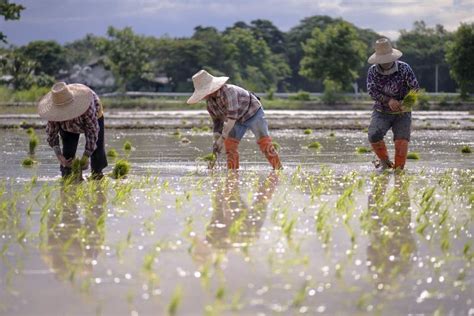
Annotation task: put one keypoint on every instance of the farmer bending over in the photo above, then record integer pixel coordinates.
(233, 110)
(388, 82)
(71, 110)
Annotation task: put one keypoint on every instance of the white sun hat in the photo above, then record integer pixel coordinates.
(205, 84)
(65, 102)
(384, 52)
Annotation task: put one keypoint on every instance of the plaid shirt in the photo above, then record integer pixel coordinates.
(86, 123)
(232, 102)
(382, 87)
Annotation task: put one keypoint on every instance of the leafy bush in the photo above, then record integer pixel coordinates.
(301, 96)
(332, 92)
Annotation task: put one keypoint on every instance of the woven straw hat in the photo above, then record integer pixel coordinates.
(384, 52)
(205, 84)
(65, 102)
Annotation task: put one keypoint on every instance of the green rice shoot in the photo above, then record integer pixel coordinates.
(413, 156)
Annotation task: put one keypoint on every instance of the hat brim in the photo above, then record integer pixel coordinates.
(387, 58)
(82, 99)
(199, 94)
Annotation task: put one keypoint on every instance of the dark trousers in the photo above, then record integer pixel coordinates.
(381, 122)
(98, 158)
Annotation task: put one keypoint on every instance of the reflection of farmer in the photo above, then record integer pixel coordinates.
(391, 242)
(71, 242)
(71, 110)
(233, 222)
(233, 110)
(388, 82)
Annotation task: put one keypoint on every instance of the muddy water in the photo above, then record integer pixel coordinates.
(325, 236)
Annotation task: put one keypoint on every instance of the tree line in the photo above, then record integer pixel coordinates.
(320, 53)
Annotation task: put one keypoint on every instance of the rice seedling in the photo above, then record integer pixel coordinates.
(211, 157)
(308, 131)
(175, 301)
(30, 131)
(332, 134)
(184, 140)
(466, 149)
(410, 101)
(276, 145)
(363, 150)
(121, 169)
(300, 295)
(413, 156)
(33, 143)
(28, 162)
(112, 153)
(315, 145)
(127, 146)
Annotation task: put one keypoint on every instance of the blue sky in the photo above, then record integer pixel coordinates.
(67, 20)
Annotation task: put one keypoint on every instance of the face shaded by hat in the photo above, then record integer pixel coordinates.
(65, 102)
(384, 52)
(205, 84)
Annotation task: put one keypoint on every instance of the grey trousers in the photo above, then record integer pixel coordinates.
(381, 122)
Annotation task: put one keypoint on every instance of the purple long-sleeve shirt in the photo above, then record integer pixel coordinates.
(383, 87)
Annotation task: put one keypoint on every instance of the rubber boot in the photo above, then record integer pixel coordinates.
(231, 150)
(267, 148)
(401, 151)
(380, 150)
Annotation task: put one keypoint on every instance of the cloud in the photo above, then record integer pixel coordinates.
(67, 20)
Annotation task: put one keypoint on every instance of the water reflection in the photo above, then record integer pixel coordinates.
(234, 223)
(391, 242)
(74, 234)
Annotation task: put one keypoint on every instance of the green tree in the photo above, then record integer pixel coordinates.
(9, 11)
(49, 57)
(266, 30)
(424, 49)
(251, 61)
(127, 55)
(214, 59)
(83, 51)
(20, 68)
(336, 54)
(459, 56)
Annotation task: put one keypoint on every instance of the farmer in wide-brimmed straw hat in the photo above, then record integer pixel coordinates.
(388, 82)
(72, 109)
(233, 110)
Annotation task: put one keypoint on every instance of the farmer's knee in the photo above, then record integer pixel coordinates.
(375, 135)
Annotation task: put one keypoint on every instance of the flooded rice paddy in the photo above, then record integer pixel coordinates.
(324, 236)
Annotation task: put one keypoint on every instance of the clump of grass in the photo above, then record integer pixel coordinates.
(184, 140)
(308, 131)
(363, 150)
(28, 162)
(112, 153)
(466, 149)
(30, 131)
(176, 133)
(121, 169)
(34, 141)
(413, 155)
(315, 145)
(127, 146)
(409, 101)
(332, 134)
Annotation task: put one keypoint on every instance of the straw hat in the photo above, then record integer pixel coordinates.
(205, 84)
(65, 102)
(384, 53)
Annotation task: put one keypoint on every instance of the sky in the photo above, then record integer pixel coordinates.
(68, 20)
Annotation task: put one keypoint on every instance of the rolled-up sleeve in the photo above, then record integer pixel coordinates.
(373, 88)
(91, 130)
(52, 132)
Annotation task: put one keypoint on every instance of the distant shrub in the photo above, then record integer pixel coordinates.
(332, 92)
(301, 96)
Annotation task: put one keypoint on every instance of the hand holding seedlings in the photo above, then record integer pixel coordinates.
(64, 162)
(395, 105)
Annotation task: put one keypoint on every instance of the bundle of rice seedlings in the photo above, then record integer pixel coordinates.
(121, 169)
(315, 145)
(308, 131)
(466, 149)
(34, 141)
(27, 162)
(410, 101)
(127, 146)
(112, 153)
(363, 150)
(413, 155)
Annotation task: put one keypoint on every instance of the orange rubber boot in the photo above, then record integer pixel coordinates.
(231, 150)
(401, 151)
(380, 150)
(267, 148)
